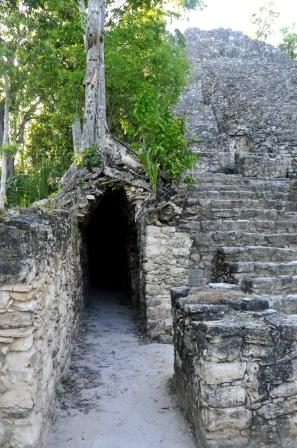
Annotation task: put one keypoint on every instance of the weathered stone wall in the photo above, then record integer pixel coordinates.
(240, 105)
(41, 289)
(235, 371)
(160, 260)
(164, 260)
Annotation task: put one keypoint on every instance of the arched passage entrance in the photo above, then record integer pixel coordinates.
(111, 246)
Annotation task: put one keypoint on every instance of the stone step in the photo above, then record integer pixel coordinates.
(245, 225)
(257, 253)
(286, 304)
(239, 213)
(285, 284)
(242, 194)
(241, 269)
(238, 203)
(199, 212)
(241, 183)
(239, 238)
(248, 213)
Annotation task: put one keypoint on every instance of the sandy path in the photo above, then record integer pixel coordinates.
(117, 393)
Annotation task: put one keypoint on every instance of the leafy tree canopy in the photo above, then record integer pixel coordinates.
(146, 70)
(289, 42)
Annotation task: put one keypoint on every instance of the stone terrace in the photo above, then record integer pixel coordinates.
(240, 110)
(244, 232)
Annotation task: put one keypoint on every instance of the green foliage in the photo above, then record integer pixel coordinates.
(42, 50)
(10, 148)
(130, 6)
(116, 186)
(23, 189)
(49, 140)
(289, 42)
(264, 20)
(56, 57)
(88, 158)
(151, 167)
(146, 70)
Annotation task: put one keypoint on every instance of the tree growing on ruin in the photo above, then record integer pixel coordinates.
(264, 20)
(289, 41)
(49, 81)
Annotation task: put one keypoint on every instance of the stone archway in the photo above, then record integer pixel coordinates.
(110, 237)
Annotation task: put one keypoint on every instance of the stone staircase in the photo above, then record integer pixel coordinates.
(245, 233)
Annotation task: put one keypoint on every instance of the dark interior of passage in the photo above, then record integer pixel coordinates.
(106, 243)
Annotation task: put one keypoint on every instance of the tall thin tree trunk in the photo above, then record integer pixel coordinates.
(10, 166)
(94, 126)
(101, 103)
(83, 15)
(76, 134)
(5, 140)
(1, 121)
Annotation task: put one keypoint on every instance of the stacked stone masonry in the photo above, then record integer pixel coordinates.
(235, 231)
(43, 267)
(242, 222)
(235, 335)
(236, 372)
(164, 265)
(41, 291)
(240, 105)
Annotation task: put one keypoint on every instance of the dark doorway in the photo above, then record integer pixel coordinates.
(107, 242)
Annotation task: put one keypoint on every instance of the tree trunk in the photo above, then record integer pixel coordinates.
(83, 15)
(94, 126)
(5, 140)
(10, 166)
(76, 134)
(2, 107)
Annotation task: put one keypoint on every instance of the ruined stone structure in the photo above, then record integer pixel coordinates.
(41, 289)
(43, 281)
(234, 354)
(235, 229)
(235, 370)
(240, 105)
(241, 219)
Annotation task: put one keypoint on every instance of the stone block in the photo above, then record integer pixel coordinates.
(222, 397)
(18, 400)
(22, 344)
(16, 332)
(20, 361)
(219, 373)
(27, 432)
(3, 433)
(4, 300)
(237, 418)
(27, 306)
(15, 320)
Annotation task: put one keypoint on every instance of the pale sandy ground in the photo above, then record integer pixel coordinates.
(117, 394)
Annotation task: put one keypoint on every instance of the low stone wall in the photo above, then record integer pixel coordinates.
(164, 261)
(236, 372)
(40, 297)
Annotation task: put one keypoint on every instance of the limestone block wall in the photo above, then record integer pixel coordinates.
(240, 105)
(164, 260)
(236, 372)
(40, 298)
